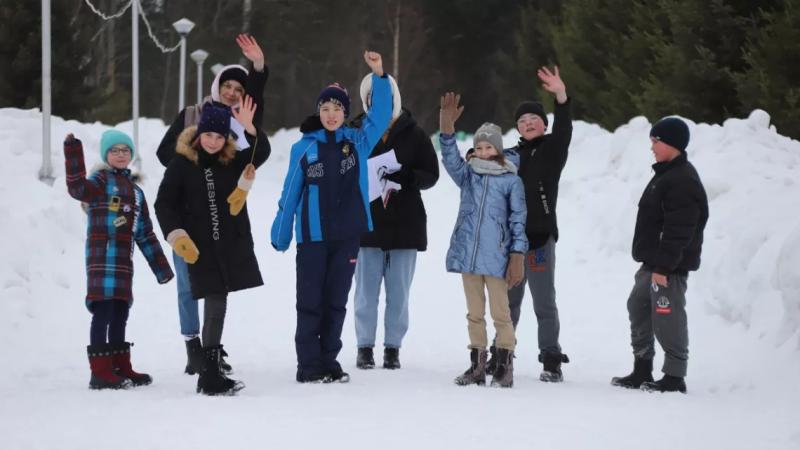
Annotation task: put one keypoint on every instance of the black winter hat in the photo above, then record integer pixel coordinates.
(671, 131)
(233, 73)
(336, 94)
(216, 119)
(530, 107)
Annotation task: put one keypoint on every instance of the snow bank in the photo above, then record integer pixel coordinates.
(749, 273)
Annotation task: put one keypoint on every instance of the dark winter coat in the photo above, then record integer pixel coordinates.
(254, 88)
(192, 197)
(673, 212)
(325, 194)
(402, 224)
(541, 162)
(117, 217)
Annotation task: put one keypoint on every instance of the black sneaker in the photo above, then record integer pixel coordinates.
(365, 359)
(391, 358)
(666, 384)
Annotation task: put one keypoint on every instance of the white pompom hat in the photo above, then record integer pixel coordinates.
(366, 89)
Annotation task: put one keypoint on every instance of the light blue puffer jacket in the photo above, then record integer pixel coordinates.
(491, 216)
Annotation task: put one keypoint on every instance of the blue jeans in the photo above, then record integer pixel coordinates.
(396, 267)
(187, 305)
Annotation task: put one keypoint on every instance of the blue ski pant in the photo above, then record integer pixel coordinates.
(324, 276)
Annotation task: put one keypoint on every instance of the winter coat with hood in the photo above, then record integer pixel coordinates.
(673, 212)
(191, 114)
(491, 215)
(402, 224)
(541, 162)
(326, 187)
(192, 196)
(117, 217)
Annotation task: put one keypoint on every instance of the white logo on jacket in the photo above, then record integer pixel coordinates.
(347, 164)
(212, 203)
(315, 171)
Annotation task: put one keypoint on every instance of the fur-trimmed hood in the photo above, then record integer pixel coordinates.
(185, 149)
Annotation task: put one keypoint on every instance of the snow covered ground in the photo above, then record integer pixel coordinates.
(743, 305)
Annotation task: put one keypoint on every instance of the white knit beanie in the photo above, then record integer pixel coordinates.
(366, 90)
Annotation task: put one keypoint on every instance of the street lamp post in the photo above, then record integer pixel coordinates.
(183, 27)
(135, 80)
(46, 171)
(199, 56)
(216, 68)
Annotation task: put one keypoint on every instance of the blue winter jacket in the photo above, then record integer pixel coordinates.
(326, 187)
(491, 217)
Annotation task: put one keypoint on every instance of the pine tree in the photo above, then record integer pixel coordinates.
(587, 43)
(474, 43)
(692, 71)
(770, 79)
(534, 49)
(21, 56)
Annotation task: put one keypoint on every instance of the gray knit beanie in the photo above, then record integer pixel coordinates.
(490, 133)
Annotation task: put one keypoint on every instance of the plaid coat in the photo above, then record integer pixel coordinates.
(118, 217)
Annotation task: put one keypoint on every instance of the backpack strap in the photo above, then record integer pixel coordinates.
(191, 115)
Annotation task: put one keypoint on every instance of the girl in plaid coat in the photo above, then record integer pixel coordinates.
(118, 217)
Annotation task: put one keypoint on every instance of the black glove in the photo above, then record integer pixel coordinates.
(403, 177)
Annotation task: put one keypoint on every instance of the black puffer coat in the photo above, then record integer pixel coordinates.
(192, 196)
(673, 212)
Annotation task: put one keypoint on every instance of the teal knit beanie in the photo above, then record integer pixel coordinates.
(111, 138)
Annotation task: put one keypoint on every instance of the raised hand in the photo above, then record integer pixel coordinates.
(374, 61)
(449, 112)
(244, 112)
(251, 50)
(551, 82)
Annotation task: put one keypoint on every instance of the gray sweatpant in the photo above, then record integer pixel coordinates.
(660, 312)
(214, 309)
(540, 268)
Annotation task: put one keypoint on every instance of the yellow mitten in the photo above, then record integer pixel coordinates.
(239, 195)
(183, 245)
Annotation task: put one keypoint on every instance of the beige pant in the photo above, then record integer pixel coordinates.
(498, 308)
